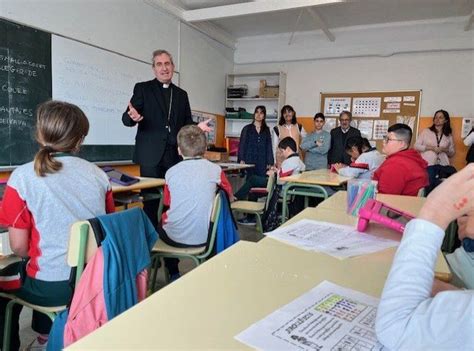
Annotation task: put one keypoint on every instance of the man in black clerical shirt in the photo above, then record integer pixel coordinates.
(160, 109)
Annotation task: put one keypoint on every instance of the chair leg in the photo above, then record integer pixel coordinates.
(8, 325)
(166, 272)
(154, 267)
(306, 201)
(259, 224)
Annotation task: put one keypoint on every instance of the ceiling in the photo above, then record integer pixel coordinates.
(237, 19)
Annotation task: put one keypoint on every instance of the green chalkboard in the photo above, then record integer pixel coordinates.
(25, 79)
(26, 82)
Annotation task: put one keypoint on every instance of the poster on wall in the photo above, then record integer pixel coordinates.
(366, 128)
(331, 123)
(408, 120)
(467, 124)
(333, 106)
(366, 107)
(202, 116)
(380, 129)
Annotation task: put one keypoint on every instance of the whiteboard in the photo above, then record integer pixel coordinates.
(101, 83)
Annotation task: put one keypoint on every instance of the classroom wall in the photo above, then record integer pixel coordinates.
(436, 56)
(204, 64)
(127, 26)
(135, 29)
(446, 78)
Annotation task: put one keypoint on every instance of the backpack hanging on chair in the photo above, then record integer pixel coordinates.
(270, 220)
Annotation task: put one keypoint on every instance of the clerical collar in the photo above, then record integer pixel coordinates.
(166, 85)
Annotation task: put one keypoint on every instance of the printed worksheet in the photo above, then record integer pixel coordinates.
(328, 317)
(340, 241)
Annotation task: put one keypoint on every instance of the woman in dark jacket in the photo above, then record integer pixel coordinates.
(255, 145)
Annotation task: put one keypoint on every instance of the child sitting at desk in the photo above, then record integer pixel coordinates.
(292, 163)
(408, 317)
(365, 159)
(404, 171)
(189, 192)
(42, 200)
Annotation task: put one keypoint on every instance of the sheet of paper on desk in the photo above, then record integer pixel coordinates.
(340, 241)
(328, 317)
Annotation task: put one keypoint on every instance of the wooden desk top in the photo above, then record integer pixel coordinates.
(338, 216)
(144, 183)
(318, 177)
(206, 308)
(233, 166)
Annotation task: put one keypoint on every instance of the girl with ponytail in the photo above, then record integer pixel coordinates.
(42, 200)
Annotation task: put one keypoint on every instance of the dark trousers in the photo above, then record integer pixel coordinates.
(169, 159)
(171, 264)
(435, 175)
(251, 182)
(37, 292)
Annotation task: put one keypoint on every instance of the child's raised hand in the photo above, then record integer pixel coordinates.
(452, 199)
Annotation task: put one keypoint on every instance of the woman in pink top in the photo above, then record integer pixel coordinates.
(436, 146)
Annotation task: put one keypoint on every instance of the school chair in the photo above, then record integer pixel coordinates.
(306, 190)
(80, 251)
(253, 207)
(198, 255)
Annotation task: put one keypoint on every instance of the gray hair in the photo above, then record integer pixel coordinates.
(160, 52)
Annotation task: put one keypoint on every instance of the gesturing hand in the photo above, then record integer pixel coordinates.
(204, 125)
(133, 113)
(451, 199)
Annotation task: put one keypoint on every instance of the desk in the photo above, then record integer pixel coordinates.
(206, 308)
(234, 166)
(338, 216)
(308, 184)
(124, 195)
(410, 204)
(144, 183)
(318, 177)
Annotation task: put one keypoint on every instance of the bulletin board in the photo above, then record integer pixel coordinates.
(374, 112)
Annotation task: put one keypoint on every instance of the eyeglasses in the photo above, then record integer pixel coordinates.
(386, 139)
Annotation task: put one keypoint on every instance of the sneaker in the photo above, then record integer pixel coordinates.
(247, 221)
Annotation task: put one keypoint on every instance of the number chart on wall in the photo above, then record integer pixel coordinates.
(374, 112)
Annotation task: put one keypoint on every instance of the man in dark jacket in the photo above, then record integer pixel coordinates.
(339, 135)
(160, 109)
